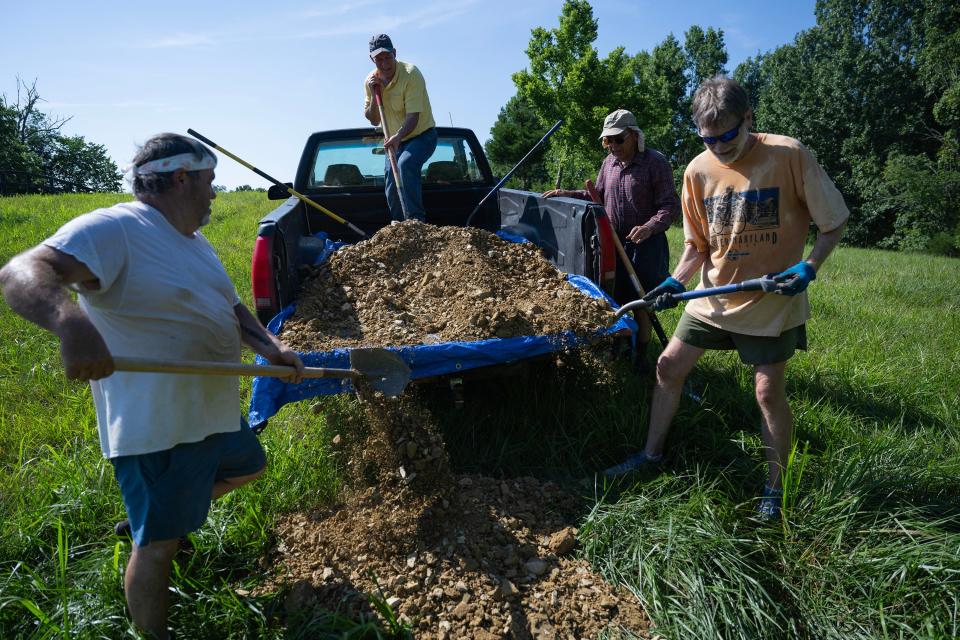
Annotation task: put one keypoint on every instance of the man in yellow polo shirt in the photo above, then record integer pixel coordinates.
(406, 106)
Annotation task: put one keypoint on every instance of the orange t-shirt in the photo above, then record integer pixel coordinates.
(751, 218)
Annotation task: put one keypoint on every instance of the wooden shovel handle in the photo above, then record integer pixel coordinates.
(200, 367)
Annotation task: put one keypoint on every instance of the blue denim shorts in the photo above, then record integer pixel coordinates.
(167, 493)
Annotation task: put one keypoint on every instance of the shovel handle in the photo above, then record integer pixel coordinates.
(393, 158)
(201, 367)
(625, 259)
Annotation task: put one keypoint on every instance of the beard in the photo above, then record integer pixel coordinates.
(205, 220)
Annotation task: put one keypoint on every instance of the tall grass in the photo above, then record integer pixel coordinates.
(868, 546)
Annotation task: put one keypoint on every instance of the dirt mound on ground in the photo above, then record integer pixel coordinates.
(415, 283)
(454, 556)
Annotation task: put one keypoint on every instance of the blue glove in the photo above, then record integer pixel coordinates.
(662, 294)
(795, 279)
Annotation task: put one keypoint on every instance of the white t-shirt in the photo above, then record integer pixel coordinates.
(162, 295)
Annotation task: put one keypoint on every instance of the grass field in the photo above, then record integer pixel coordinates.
(869, 546)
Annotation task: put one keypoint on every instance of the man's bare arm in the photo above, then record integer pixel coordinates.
(34, 285)
(409, 124)
(254, 335)
(824, 245)
(690, 262)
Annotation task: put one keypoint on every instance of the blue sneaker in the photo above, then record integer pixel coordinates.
(771, 502)
(636, 463)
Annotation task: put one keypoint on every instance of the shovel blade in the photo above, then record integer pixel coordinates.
(384, 369)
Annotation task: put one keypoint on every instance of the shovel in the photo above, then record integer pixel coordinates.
(384, 370)
(767, 284)
(625, 259)
(390, 154)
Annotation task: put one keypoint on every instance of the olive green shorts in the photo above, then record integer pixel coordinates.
(752, 349)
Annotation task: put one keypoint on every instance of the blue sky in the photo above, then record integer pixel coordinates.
(258, 77)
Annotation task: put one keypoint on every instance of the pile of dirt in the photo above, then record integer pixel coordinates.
(455, 556)
(414, 283)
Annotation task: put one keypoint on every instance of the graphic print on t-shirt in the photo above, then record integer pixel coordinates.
(739, 219)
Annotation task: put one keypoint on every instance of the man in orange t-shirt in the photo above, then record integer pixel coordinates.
(748, 201)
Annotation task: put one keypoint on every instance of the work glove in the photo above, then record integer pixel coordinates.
(662, 294)
(795, 279)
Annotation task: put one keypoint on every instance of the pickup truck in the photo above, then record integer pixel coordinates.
(343, 171)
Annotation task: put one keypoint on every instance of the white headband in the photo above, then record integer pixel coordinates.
(185, 161)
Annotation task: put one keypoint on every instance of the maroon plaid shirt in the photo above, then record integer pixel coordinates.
(638, 193)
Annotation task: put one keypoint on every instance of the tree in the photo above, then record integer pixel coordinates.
(706, 54)
(861, 88)
(567, 79)
(40, 158)
(515, 132)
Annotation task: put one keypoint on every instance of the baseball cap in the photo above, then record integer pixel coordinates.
(380, 43)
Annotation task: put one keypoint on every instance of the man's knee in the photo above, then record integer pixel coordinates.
(675, 363)
(670, 373)
(239, 481)
(770, 385)
(157, 552)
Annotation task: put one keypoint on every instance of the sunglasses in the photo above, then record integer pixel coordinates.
(727, 136)
(617, 139)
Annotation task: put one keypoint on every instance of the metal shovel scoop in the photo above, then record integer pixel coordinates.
(384, 369)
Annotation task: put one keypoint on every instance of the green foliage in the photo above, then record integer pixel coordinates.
(869, 86)
(34, 156)
(515, 132)
(924, 204)
(568, 79)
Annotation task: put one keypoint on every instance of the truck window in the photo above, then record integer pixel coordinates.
(360, 162)
(452, 162)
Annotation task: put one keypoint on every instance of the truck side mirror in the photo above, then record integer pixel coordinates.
(277, 192)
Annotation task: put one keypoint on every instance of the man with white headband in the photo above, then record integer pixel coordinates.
(151, 286)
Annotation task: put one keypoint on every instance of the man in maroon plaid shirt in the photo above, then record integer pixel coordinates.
(638, 194)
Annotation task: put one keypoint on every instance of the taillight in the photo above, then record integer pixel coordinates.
(264, 287)
(608, 254)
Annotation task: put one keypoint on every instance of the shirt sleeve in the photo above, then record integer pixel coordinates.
(695, 231)
(367, 95)
(601, 184)
(664, 198)
(98, 241)
(414, 99)
(824, 201)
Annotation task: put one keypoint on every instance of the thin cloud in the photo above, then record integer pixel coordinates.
(431, 15)
(424, 17)
(339, 10)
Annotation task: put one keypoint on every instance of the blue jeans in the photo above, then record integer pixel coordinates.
(413, 153)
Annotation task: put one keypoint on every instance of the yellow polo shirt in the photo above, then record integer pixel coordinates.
(751, 218)
(406, 93)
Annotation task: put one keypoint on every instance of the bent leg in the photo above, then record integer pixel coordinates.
(242, 460)
(226, 485)
(776, 419)
(146, 582)
(673, 367)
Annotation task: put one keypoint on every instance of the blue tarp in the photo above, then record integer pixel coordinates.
(269, 394)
